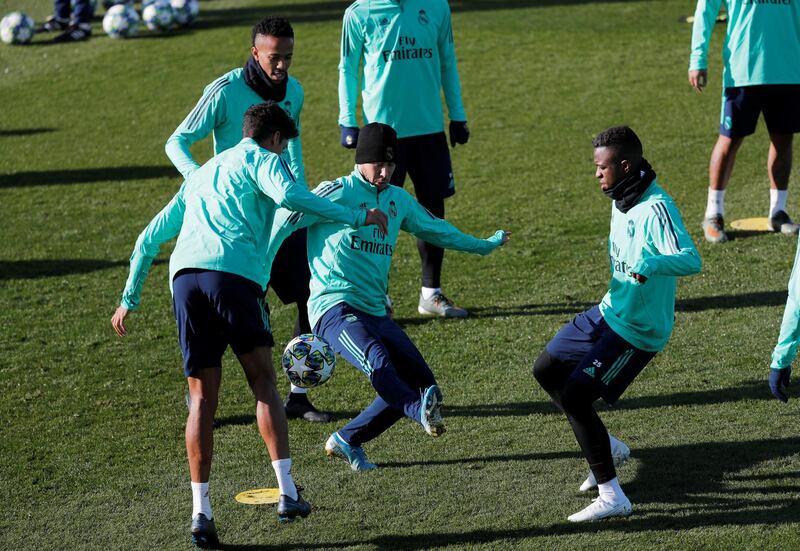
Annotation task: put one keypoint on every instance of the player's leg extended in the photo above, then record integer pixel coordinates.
(781, 107)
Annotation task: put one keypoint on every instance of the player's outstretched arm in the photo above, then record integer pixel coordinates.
(424, 225)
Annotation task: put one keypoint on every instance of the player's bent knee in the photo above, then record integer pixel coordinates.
(543, 366)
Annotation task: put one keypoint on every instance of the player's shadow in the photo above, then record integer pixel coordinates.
(15, 132)
(36, 269)
(85, 175)
(749, 390)
(692, 486)
(513, 310)
(733, 235)
(728, 302)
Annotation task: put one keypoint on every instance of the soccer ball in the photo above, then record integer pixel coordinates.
(16, 28)
(308, 361)
(185, 11)
(121, 21)
(159, 15)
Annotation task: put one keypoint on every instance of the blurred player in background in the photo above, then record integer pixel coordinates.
(600, 352)
(71, 19)
(761, 74)
(408, 58)
(264, 77)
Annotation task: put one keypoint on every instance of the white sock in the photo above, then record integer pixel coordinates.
(297, 390)
(716, 202)
(283, 471)
(200, 501)
(611, 491)
(428, 292)
(777, 201)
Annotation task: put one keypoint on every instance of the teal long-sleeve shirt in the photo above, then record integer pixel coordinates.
(650, 239)
(351, 265)
(762, 41)
(223, 216)
(789, 337)
(408, 58)
(220, 111)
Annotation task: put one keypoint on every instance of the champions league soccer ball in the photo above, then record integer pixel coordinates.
(121, 21)
(185, 11)
(308, 361)
(16, 28)
(159, 15)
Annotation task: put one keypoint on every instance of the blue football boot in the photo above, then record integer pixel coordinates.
(337, 447)
(204, 532)
(289, 509)
(430, 411)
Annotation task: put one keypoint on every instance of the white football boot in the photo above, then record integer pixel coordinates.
(600, 509)
(620, 453)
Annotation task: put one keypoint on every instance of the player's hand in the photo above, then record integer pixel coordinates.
(118, 321)
(639, 278)
(778, 381)
(698, 79)
(349, 136)
(378, 218)
(459, 133)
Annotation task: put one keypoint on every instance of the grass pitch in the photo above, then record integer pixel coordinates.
(91, 444)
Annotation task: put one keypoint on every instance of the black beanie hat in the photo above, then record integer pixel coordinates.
(377, 143)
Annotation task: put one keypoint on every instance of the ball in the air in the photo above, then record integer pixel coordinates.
(308, 361)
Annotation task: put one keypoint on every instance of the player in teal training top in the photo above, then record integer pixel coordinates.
(789, 338)
(219, 271)
(265, 77)
(408, 56)
(601, 351)
(349, 273)
(761, 73)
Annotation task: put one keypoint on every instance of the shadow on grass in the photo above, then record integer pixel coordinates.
(677, 488)
(35, 269)
(86, 175)
(733, 235)
(14, 132)
(728, 302)
(334, 10)
(750, 390)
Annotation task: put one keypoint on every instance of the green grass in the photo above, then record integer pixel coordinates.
(91, 442)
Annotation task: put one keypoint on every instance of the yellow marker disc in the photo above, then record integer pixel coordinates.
(260, 496)
(751, 224)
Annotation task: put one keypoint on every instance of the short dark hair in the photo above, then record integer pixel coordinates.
(621, 138)
(273, 26)
(264, 119)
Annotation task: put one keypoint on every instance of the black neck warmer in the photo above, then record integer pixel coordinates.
(256, 79)
(626, 192)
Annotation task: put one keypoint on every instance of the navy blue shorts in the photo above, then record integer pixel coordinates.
(290, 274)
(741, 106)
(426, 160)
(216, 309)
(602, 358)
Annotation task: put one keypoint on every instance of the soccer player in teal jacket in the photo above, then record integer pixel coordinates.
(601, 351)
(349, 274)
(219, 271)
(761, 73)
(265, 77)
(408, 56)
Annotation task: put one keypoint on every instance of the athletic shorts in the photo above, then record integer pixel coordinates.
(601, 357)
(426, 159)
(290, 275)
(741, 106)
(216, 309)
